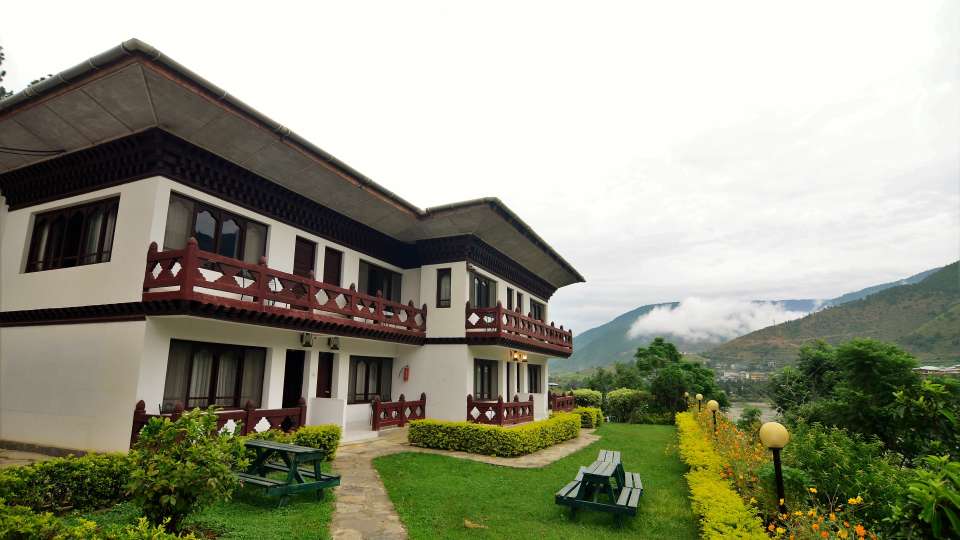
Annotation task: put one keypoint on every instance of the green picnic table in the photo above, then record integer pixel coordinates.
(603, 486)
(300, 463)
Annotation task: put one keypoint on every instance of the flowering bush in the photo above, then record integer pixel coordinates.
(746, 464)
(723, 514)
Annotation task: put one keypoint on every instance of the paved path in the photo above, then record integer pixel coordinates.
(14, 458)
(364, 511)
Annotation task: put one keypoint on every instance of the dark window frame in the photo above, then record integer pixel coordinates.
(53, 256)
(441, 274)
(216, 350)
(476, 279)
(220, 216)
(389, 294)
(535, 378)
(538, 310)
(520, 302)
(509, 298)
(485, 385)
(327, 269)
(369, 394)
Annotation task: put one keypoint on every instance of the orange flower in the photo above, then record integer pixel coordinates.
(824, 534)
(861, 532)
(815, 526)
(833, 517)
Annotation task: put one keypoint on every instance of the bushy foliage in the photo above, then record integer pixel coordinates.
(586, 397)
(181, 466)
(644, 416)
(494, 440)
(622, 402)
(749, 421)
(930, 507)
(590, 417)
(723, 514)
(927, 416)
(20, 522)
(82, 483)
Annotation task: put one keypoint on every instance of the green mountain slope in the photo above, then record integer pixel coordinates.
(923, 318)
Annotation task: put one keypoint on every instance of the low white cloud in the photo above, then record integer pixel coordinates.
(711, 319)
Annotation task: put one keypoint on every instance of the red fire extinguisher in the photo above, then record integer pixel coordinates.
(406, 373)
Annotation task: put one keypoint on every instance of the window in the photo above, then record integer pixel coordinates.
(533, 378)
(370, 378)
(537, 310)
(509, 298)
(520, 301)
(216, 230)
(444, 283)
(205, 374)
(73, 236)
(483, 291)
(304, 257)
(332, 266)
(375, 279)
(484, 379)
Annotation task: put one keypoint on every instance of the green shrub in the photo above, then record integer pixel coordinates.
(622, 402)
(182, 466)
(586, 397)
(494, 440)
(82, 483)
(325, 437)
(843, 465)
(930, 507)
(20, 522)
(645, 416)
(590, 417)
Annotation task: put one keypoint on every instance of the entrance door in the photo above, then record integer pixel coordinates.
(293, 378)
(304, 255)
(325, 375)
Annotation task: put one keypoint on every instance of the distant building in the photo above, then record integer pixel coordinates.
(929, 371)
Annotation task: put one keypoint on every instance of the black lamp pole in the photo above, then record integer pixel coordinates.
(778, 472)
(714, 423)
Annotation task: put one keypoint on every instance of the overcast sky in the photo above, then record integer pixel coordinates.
(732, 150)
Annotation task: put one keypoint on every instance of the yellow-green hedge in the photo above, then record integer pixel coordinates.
(723, 514)
(590, 417)
(494, 440)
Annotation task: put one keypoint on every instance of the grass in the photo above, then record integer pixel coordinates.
(444, 497)
(250, 515)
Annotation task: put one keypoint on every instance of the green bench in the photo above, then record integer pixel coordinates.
(603, 486)
(300, 463)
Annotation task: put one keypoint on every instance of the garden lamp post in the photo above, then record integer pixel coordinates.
(686, 399)
(699, 402)
(713, 406)
(774, 436)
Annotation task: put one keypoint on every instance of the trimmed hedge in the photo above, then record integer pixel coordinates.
(590, 417)
(586, 397)
(622, 403)
(82, 483)
(21, 522)
(723, 514)
(494, 440)
(323, 436)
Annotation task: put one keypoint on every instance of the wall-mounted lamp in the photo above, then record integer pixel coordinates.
(518, 356)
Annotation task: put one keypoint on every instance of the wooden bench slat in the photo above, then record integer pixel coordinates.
(634, 498)
(580, 473)
(569, 490)
(624, 496)
(259, 480)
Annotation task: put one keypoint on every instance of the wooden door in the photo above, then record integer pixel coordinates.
(304, 257)
(293, 378)
(325, 375)
(332, 265)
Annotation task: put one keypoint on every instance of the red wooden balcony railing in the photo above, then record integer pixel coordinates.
(524, 329)
(500, 412)
(398, 413)
(247, 419)
(193, 274)
(562, 402)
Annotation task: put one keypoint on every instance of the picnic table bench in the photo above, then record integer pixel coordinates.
(603, 486)
(299, 462)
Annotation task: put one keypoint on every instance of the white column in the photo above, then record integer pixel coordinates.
(309, 389)
(273, 378)
(340, 376)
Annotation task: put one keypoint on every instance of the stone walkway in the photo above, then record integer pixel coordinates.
(364, 511)
(13, 458)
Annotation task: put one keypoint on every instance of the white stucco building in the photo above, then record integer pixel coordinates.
(163, 242)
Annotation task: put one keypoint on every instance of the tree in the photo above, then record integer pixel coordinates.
(3, 91)
(658, 354)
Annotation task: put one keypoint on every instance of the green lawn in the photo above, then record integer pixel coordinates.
(249, 516)
(434, 494)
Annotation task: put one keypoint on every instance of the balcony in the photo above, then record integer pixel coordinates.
(512, 328)
(229, 288)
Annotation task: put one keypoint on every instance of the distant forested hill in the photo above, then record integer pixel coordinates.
(608, 343)
(922, 317)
